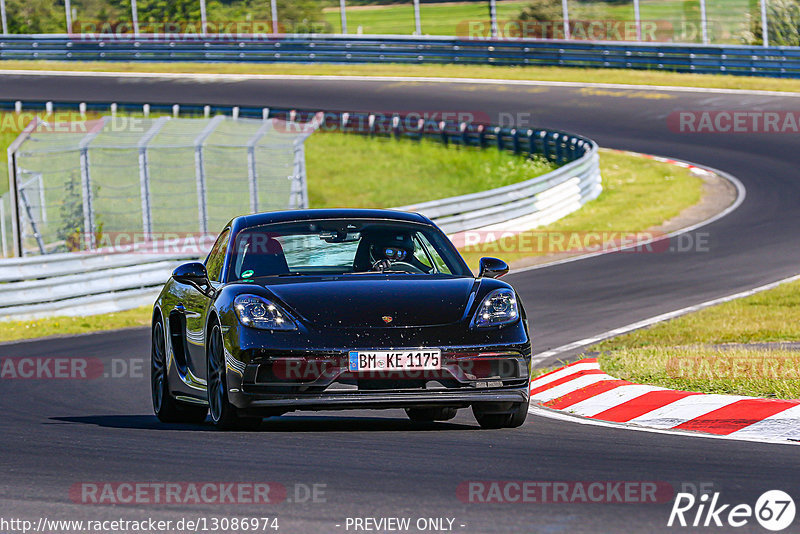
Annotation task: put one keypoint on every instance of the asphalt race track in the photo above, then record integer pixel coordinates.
(55, 434)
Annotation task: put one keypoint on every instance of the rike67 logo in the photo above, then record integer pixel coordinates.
(774, 510)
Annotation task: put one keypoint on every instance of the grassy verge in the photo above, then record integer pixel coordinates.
(347, 171)
(637, 194)
(557, 74)
(63, 326)
(685, 353)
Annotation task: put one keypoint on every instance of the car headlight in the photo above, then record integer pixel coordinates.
(258, 312)
(498, 308)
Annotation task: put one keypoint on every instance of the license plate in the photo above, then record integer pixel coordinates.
(406, 360)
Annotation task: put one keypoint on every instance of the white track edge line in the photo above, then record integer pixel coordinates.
(561, 416)
(741, 194)
(423, 79)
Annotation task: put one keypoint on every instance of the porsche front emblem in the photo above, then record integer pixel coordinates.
(387, 319)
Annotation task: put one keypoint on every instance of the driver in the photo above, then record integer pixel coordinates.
(385, 247)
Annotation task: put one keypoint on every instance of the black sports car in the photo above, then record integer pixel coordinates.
(333, 310)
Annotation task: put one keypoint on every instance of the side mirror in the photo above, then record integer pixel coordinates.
(193, 274)
(492, 268)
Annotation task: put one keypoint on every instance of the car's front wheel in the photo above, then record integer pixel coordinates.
(224, 415)
(428, 415)
(165, 406)
(490, 417)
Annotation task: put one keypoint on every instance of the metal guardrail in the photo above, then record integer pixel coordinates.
(65, 284)
(726, 59)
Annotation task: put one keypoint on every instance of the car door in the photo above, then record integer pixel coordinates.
(197, 305)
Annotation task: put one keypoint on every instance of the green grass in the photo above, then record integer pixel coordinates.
(771, 374)
(349, 171)
(63, 326)
(557, 74)
(637, 195)
(676, 20)
(436, 19)
(772, 316)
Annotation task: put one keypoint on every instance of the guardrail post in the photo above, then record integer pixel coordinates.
(482, 136)
(498, 132)
(464, 134)
(443, 132)
(545, 144)
(515, 140)
(531, 143)
(396, 126)
(371, 124)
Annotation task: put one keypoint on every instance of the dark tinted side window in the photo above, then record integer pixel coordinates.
(216, 258)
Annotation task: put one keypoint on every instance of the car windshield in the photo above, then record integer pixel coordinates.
(343, 247)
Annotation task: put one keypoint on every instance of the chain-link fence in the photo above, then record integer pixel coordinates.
(678, 21)
(120, 180)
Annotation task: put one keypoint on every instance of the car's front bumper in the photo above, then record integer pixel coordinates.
(287, 380)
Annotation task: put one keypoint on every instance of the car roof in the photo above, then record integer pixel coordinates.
(258, 219)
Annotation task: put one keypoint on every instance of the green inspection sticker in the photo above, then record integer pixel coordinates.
(247, 274)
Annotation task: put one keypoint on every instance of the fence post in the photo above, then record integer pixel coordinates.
(135, 18)
(493, 17)
(200, 172)
(764, 24)
(252, 171)
(68, 13)
(144, 175)
(13, 189)
(203, 18)
(703, 21)
(3, 19)
(637, 17)
(343, 15)
(417, 19)
(86, 184)
(274, 9)
(565, 12)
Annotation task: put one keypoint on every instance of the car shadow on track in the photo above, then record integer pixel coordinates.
(292, 424)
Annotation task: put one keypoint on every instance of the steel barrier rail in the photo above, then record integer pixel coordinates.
(713, 59)
(80, 283)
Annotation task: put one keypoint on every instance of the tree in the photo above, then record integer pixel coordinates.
(783, 21)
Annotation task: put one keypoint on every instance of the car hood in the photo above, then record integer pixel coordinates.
(366, 301)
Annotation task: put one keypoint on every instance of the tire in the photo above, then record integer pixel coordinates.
(165, 406)
(428, 415)
(491, 420)
(519, 415)
(224, 415)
